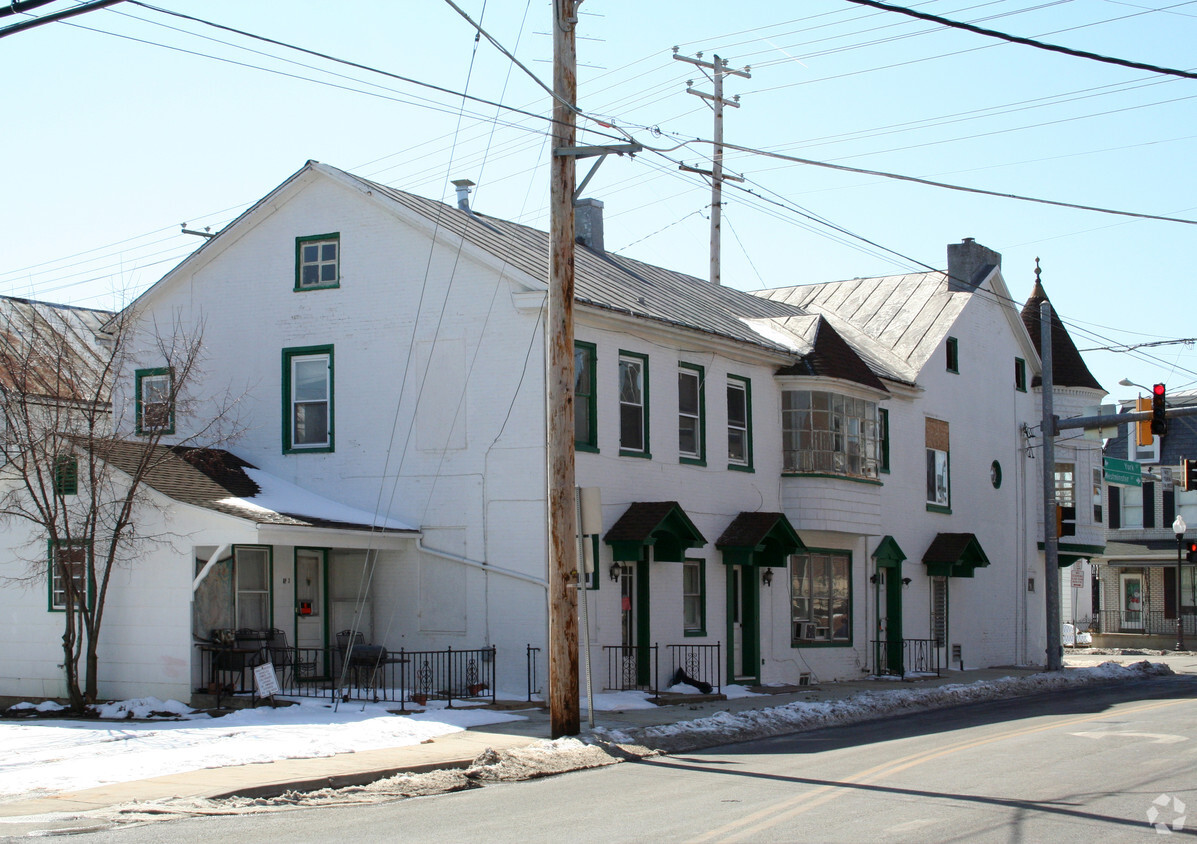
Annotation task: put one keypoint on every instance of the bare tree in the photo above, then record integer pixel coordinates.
(78, 474)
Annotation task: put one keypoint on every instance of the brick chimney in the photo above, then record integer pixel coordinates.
(588, 223)
(968, 264)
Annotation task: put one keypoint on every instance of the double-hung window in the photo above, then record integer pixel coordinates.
(939, 486)
(585, 405)
(68, 575)
(694, 609)
(155, 404)
(820, 590)
(251, 577)
(633, 404)
(308, 399)
(739, 423)
(318, 261)
(691, 404)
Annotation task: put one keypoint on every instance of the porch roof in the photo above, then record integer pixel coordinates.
(661, 525)
(759, 539)
(218, 480)
(954, 555)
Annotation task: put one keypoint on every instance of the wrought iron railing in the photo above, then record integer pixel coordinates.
(632, 667)
(699, 663)
(367, 673)
(906, 656)
(1153, 622)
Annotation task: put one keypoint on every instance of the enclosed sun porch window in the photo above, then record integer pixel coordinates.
(828, 433)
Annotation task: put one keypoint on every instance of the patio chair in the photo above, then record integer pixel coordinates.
(249, 638)
(289, 662)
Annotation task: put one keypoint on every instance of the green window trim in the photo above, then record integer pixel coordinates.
(700, 596)
(585, 397)
(735, 384)
(593, 579)
(627, 408)
(953, 351)
(883, 440)
(52, 603)
(699, 457)
(289, 356)
(1020, 375)
(66, 475)
(320, 262)
(142, 378)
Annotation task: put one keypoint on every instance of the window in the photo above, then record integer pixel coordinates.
(1097, 496)
(883, 439)
(939, 486)
(1020, 375)
(155, 406)
(317, 261)
(1132, 507)
(739, 423)
(68, 575)
(953, 349)
(1066, 484)
(691, 407)
(633, 404)
(820, 585)
(585, 409)
(308, 399)
(251, 575)
(694, 599)
(66, 475)
(829, 433)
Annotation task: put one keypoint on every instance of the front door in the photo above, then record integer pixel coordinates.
(743, 621)
(736, 620)
(1131, 592)
(311, 611)
(633, 624)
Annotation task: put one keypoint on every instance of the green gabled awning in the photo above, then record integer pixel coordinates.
(660, 525)
(888, 555)
(954, 555)
(759, 539)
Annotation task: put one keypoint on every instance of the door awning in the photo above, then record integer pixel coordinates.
(954, 555)
(759, 539)
(660, 525)
(888, 555)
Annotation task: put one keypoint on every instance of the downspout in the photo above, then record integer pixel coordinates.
(213, 560)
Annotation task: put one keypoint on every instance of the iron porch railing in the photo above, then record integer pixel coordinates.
(1150, 622)
(906, 656)
(699, 662)
(632, 668)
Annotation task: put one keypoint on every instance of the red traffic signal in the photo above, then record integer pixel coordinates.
(1191, 547)
(1159, 425)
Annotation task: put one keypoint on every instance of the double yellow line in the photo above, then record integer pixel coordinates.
(785, 810)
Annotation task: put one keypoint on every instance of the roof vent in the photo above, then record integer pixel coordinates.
(463, 193)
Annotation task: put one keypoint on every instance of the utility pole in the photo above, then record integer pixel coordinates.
(564, 713)
(1051, 550)
(718, 70)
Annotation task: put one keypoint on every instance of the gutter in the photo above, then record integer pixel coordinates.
(465, 561)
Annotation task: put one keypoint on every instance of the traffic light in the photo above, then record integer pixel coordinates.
(1190, 470)
(1143, 426)
(1159, 425)
(1065, 521)
(1191, 547)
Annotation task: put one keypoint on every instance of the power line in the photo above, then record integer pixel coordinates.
(1028, 42)
(53, 16)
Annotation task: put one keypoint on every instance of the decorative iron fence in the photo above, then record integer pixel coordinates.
(906, 656)
(632, 667)
(1153, 622)
(367, 672)
(701, 666)
(533, 657)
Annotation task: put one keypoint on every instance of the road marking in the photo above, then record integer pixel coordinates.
(1156, 738)
(786, 809)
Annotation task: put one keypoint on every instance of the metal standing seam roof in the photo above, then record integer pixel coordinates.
(52, 351)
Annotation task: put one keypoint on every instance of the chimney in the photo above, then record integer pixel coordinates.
(463, 193)
(588, 223)
(968, 264)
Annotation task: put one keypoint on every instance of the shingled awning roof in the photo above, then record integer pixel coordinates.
(660, 525)
(759, 539)
(954, 555)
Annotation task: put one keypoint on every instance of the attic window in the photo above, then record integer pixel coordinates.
(318, 261)
(953, 348)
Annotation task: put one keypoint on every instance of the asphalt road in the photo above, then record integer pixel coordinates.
(1091, 765)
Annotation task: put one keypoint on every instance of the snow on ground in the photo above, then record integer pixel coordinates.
(51, 756)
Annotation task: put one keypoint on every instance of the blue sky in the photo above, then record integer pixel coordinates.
(124, 123)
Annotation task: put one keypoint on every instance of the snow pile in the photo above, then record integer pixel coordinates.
(725, 727)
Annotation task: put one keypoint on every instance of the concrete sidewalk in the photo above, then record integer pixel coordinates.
(456, 750)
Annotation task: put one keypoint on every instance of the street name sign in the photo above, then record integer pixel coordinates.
(1124, 472)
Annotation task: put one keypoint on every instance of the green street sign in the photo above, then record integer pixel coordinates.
(1124, 472)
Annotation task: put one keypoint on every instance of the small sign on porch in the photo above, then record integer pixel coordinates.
(266, 681)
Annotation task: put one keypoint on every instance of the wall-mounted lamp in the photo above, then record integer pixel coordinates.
(616, 572)
(873, 578)
(906, 581)
(767, 578)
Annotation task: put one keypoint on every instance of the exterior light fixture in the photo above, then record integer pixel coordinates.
(767, 578)
(616, 572)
